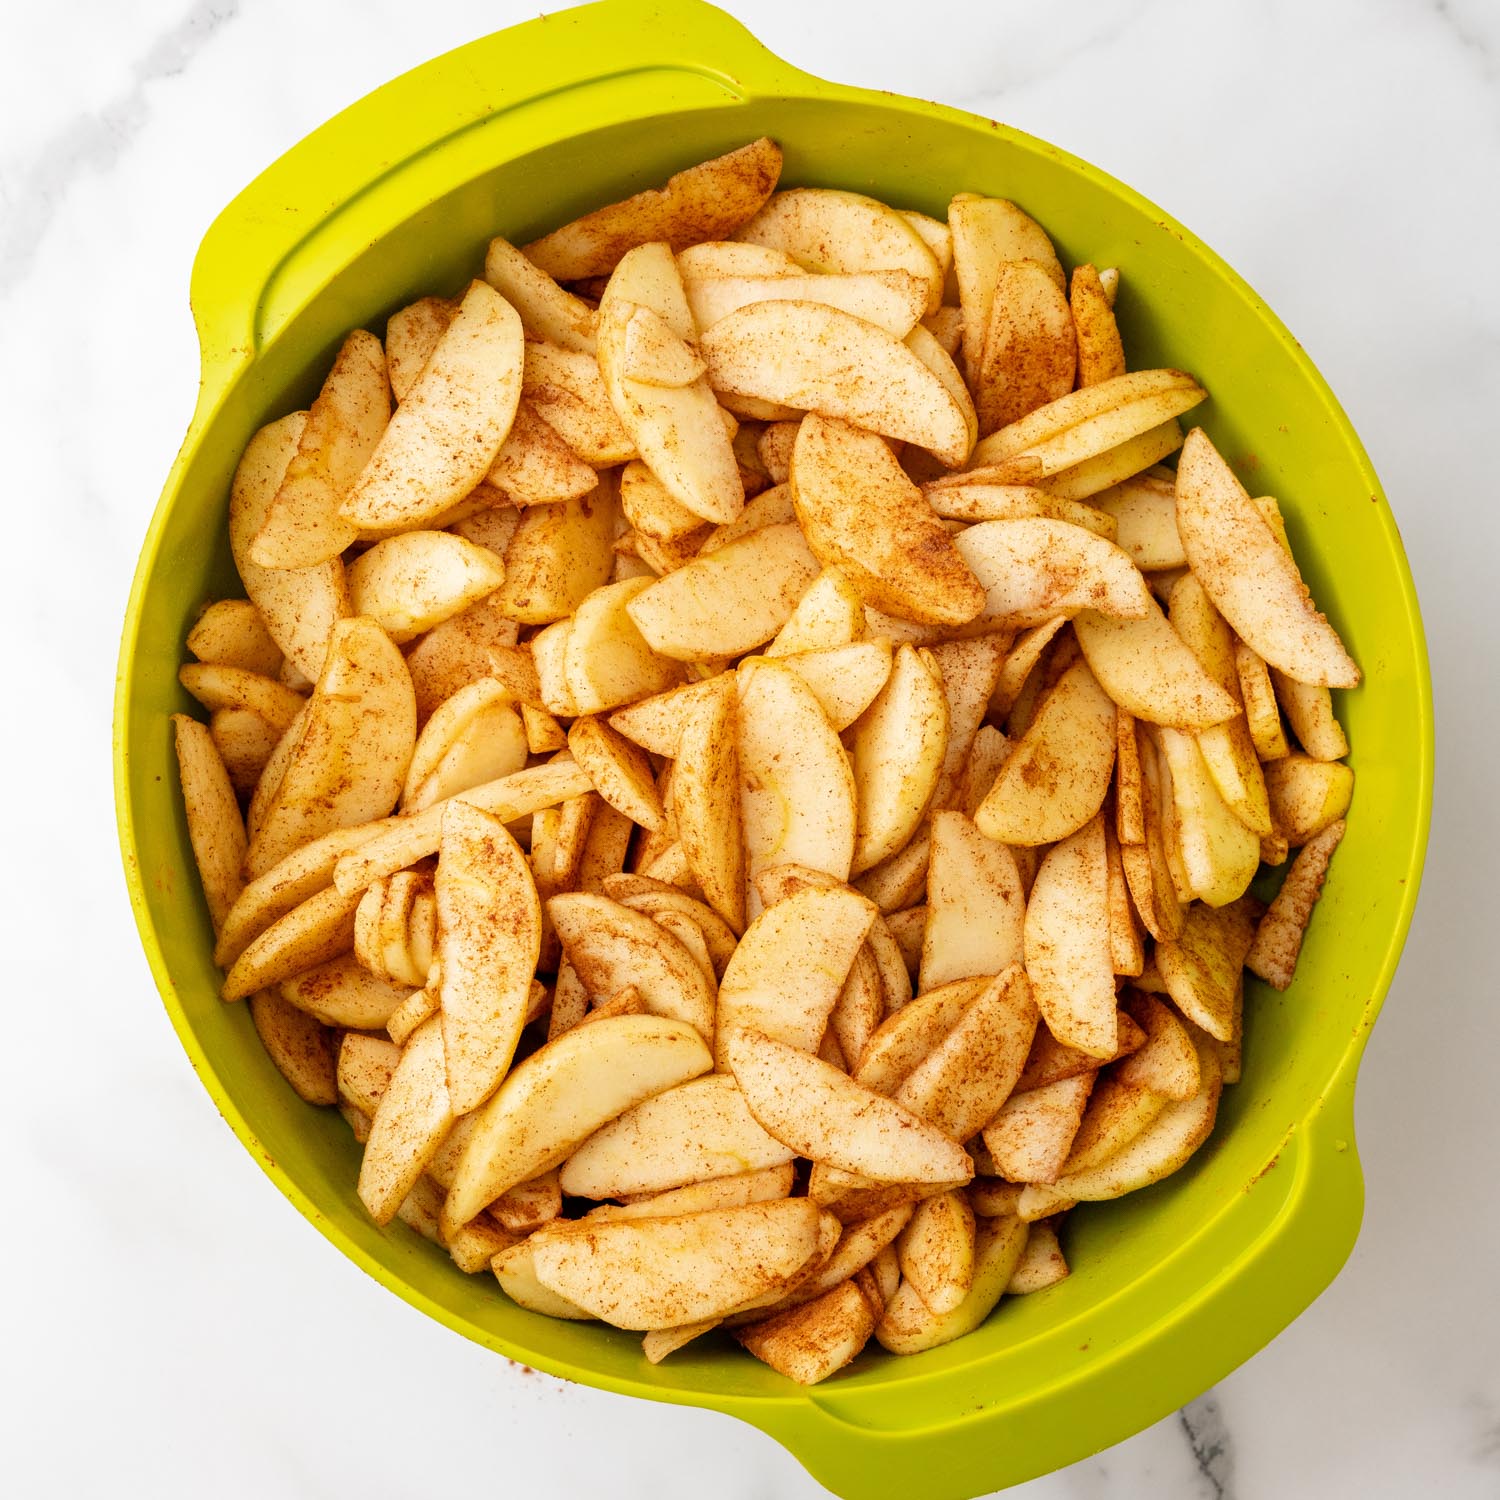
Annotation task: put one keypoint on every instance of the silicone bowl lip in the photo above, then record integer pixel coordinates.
(803, 1420)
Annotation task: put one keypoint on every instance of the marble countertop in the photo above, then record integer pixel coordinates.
(1342, 156)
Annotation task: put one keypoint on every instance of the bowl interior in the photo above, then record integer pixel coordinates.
(1269, 414)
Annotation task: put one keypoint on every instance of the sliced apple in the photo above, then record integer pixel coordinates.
(445, 434)
(1030, 354)
(1031, 1136)
(1220, 855)
(1067, 943)
(975, 904)
(730, 602)
(215, 828)
(559, 555)
(565, 390)
(676, 429)
(1167, 1062)
(893, 300)
(1035, 569)
(790, 966)
(662, 1273)
(1307, 795)
(1201, 969)
(1278, 939)
(815, 358)
(988, 233)
(897, 753)
(413, 1116)
(560, 1095)
(1251, 578)
(862, 515)
(797, 795)
(303, 526)
(909, 1326)
(612, 946)
(830, 230)
(1081, 426)
(961, 1084)
(1056, 777)
(547, 311)
(707, 201)
(1144, 510)
(825, 1116)
(410, 337)
(1149, 671)
(706, 800)
(694, 1132)
(363, 715)
(905, 1038)
(489, 937)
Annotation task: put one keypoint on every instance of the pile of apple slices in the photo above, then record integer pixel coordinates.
(743, 787)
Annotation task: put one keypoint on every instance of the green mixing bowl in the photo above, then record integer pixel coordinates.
(397, 196)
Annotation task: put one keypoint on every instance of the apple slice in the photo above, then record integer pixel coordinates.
(824, 1115)
(1030, 354)
(1056, 776)
(730, 602)
(961, 1084)
(1220, 855)
(663, 1273)
(811, 357)
(912, 1033)
(893, 300)
(909, 1326)
(348, 762)
(1101, 355)
(1031, 1136)
(936, 1250)
(1307, 795)
(547, 311)
(785, 977)
(303, 526)
(298, 605)
(655, 723)
(830, 230)
(975, 904)
(677, 429)
(846, 680)
(1278, 939)
(695, 1132)
(1035, 569)
(1167, 1062)
(1150, 671)
(612, 947)
(1249, 575)
(1067, 943)
(706, 800)
(1082, 426)
(489, 937)
(863, 515)
(896, 750)
(444, 436)
(797, 795)
(408, 1127)
(1156, 1152)
(988, 233)
(707, 201)
(410, 337)
(215, 828)
(559, 1096)
(1201, 969)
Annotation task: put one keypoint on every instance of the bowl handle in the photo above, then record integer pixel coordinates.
(949, 1432)
(270, 251)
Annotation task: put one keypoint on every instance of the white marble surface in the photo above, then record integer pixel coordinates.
(171, 1326)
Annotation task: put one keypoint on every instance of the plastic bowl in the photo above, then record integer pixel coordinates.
(397, 196)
